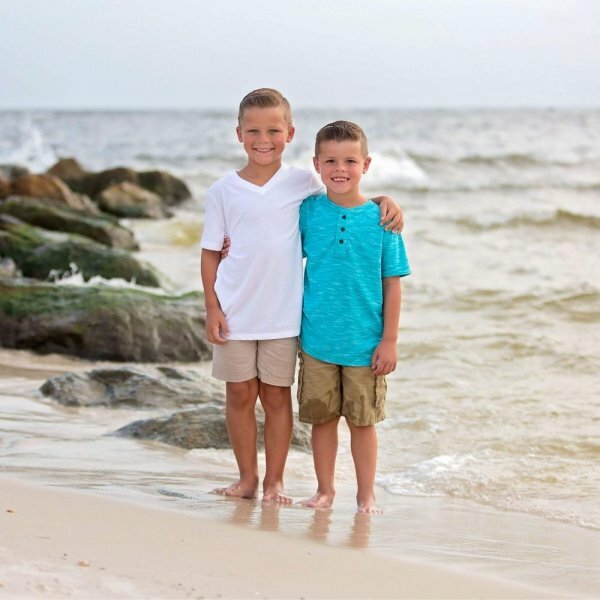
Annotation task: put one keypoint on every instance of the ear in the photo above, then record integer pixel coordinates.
(316, 164)
(290, 135)
(367, 164)
(238, 130)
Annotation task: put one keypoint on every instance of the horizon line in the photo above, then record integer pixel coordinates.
(301, 108)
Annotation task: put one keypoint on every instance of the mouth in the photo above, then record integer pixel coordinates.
(340, 179)
(263, 150)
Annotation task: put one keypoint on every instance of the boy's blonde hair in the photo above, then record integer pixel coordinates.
(341, 131)
(266, 98)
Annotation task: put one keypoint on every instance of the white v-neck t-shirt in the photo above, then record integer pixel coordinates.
(259, 284)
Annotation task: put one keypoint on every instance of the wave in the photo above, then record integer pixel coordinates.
(491, 481)
(29, 147)
(559, 218)
(74, 278)
(516, 159)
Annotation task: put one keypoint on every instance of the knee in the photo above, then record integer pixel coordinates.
(275, 397)
(241, 394)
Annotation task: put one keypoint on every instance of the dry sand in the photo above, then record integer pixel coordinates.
(58, 543)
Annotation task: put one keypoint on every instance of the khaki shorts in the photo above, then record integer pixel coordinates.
(327, 391)
(272, 361)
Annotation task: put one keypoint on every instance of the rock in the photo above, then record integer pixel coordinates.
(59, 217)
(171, 189)
(47, 186)
(117, 324)
(201, 427)
(4, 186)
(13, 171)
(129, 200)
(94, 183)
(156, 387)
(40, 254)
(69, 170)
(8, 269)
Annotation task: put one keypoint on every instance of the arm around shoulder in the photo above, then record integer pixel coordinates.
(392, 217)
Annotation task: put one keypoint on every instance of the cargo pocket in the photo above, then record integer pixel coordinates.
(380, 390)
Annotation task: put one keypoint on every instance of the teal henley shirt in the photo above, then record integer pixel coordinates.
(348, 253)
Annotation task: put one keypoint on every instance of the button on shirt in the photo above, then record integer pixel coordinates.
(348, 253)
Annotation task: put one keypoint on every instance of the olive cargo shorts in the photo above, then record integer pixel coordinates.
(327, 391)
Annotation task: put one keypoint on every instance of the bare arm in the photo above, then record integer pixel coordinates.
(385, 356)
(216, 324)
(391, 214)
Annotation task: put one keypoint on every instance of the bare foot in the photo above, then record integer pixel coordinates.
(238, 490)
(319, 500)
(275, 495)
(369, 507)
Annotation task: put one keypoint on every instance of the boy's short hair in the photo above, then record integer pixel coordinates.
(341, 131)
(265, 98)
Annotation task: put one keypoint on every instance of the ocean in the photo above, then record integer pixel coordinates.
(496, 399)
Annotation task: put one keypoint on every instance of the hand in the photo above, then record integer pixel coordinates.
(392, 216)
(216, 326)
(384, 358)
(225, 248)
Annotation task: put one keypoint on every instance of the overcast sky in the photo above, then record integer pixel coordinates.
(326, 53)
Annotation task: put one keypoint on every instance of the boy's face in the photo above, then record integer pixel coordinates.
(264, 133)
(341, 166)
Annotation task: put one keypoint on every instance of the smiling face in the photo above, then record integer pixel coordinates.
(264, 133)
(341, 166)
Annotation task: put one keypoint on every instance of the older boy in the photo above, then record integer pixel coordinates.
(254, 298)
(350, 314)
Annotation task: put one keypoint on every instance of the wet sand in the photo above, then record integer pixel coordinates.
(64, 543)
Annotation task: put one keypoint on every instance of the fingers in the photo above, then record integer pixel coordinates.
(383, 367)
(396, 224)
(224, 329)
(217, 334)
(225, 247)
(384, 213)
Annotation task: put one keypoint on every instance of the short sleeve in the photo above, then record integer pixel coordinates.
(315, 187)
(394, 262)
(214, 223)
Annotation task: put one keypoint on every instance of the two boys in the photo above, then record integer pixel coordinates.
(254, 298)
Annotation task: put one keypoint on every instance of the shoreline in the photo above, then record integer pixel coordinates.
(86, 545)
(59, 450)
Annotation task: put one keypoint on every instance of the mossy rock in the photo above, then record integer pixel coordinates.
(124, 325)
(39, 254)
(134, 386)
(202, 427)
(48, 214)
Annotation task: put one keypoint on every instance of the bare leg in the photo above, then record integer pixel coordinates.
(277, 404)
(324, 445)
(241, 424)
(363, 443)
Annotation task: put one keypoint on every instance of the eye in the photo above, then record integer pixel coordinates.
(351, 161)
(253, 131)
(274, 131)
(330, 161)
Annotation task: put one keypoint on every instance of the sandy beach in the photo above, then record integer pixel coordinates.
(60, 543)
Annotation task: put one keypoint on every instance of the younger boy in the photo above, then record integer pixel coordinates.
(350, 313)
(254, 297)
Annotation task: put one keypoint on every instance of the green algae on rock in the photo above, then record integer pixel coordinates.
(125, 325)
